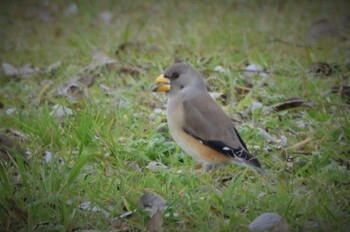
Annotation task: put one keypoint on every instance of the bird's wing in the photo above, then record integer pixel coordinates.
(207, 122)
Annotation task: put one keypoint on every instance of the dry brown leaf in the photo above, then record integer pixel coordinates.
(136, 47)
(77, 87)
(89, 206)
(323, 68)
(25, 71)
(124, 46)
(134, 166)
(28, 70)
(87, 79)
(300, 144)
(132, 70)
(155, 223)
(288, 104)
(18, 134)
(100, 59)
(242, 89)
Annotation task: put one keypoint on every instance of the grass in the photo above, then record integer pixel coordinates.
(100, 152)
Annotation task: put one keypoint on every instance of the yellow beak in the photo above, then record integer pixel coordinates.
(161, 84)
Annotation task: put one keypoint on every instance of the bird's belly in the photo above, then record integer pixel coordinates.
(197, 150)
(186, 142)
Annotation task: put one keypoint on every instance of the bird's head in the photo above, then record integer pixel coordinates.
(178, 77)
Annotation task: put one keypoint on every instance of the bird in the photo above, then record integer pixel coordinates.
(197, 123)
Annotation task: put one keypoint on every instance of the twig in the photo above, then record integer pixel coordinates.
(301, 143)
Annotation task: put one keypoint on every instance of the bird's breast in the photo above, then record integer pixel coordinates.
(191, 145)
(175, 117)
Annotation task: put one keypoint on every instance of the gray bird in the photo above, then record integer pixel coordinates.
(197, 123)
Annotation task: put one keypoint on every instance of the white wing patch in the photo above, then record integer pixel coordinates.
(238, 153)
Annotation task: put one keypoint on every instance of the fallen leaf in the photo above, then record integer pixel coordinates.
(60, 112)
(300, 123)
(133, 165)
(87, 79)
(300, 144)
(107, 90)
(131, 70)
(88, 206)
(255, 105)
(28, 70)
(77, 87)
(18, 134)
(268, 137)
(290, 162)
(52, 67)
(153, 165)
(126, 214)
(288, 104)
(47, 157)
(136, 47)
(101, 59)
(221, 69)
(10, 111)
(151, 202)
(74, 90)
(254, 69)
(9, 70)
(155, 223)
(127, 45)
(322, 68)
(243, 89)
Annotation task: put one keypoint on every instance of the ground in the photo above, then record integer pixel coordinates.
(83, 136)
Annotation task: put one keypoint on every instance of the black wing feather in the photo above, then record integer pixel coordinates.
(241, 140)
(240, 153)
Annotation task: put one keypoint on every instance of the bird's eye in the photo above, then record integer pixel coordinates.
(175, 75)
